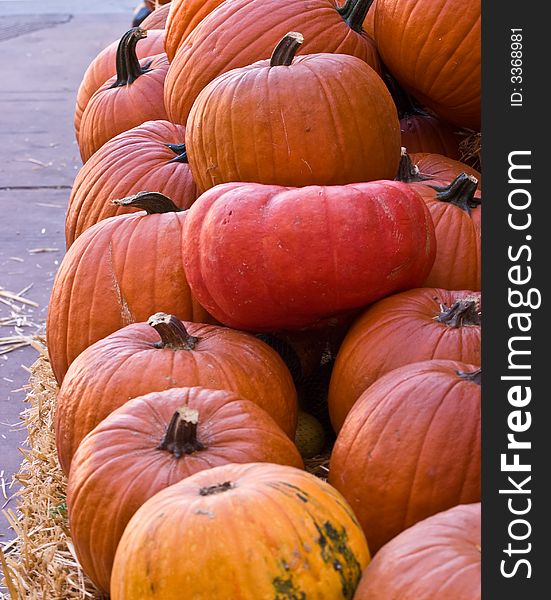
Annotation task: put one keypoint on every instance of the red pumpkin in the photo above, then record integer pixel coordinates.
(410, 327)
(131, 98)
(104, 67)
(358, 131)
(298, 537)
(362, 242)
(241, 32)
(410, 447)
(158, 17)
(433, 50)
(149, 157)
(118, 272)
(151, 443)
(437, 559)
(183, 18)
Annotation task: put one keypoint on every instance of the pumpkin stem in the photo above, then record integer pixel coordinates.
(407, 171)
(354, 13)
(128, 65)
(216, 489)
(404, 102)
(180, 151)
(460, 192)
(181, 434)
(154, 203)
(474, 376)
(461, 313)
(172, 332)
(285, 51)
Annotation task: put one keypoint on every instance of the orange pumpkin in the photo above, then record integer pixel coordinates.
(241, 32)
(410, 327)
(149, 157)
(432, 47)
(183, 18)
(167, 353)
(410, 447)
(300, 538)
(433, 169)
(151, 443)
(131, 98)
(118, 272)
(435, 559)
(104, 66)
(358, 131)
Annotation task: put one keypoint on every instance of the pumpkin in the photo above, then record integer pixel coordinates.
(158, 18)
(183, 18)
(364, 242)
(436, 559)
(241, 32)
(432, 47)
(432, 169)
(132, 97)
(310, 435)
(358, 131)
(410, 327)
(456, 212)
(151, 443)
(300, 539)
(149, 157)
(104, 66)
(410, 447)
(118, 272)
(166, 353)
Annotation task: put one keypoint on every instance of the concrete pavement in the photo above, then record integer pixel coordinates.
(46, 46)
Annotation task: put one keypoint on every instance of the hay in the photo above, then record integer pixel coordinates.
(40, 562)
(470, 149)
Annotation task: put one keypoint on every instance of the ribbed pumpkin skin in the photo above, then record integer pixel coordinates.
(241, 32)
(394, 332)
(122, 455)
(437, 559)
(442, 169)
(328, 138)
(157, 19)
(424, 133)
(288, 258)
(119, 271)
(410, 448)
(300, 538)
(134, 161)
(103, 67)
(183, 18)
(127, 364)
(111, 111)
(432, 47)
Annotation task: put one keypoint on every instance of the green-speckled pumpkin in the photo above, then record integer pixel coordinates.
(253, 532)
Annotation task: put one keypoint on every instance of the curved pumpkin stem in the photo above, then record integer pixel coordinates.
(172, 332)
(354, 13)
(460, 192)
(180, 151)
(128, 65)
(154, 203)
(474, 376)
(407, 171)
(181, 434)
(462, 313)
(285, 51)
(404, 102)
(216, 489)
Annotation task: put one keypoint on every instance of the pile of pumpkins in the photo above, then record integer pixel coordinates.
(251, 246)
